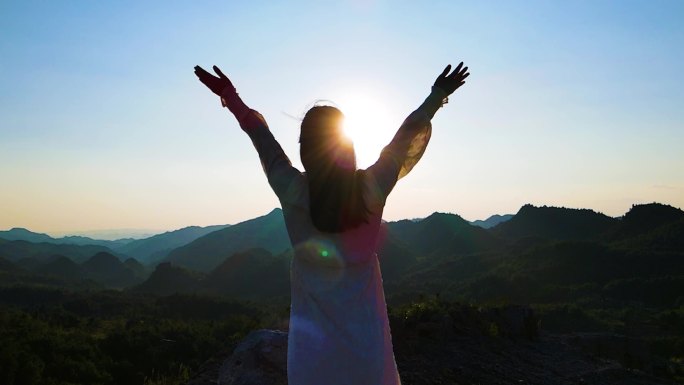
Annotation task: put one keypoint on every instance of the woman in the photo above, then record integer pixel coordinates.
(339, 330)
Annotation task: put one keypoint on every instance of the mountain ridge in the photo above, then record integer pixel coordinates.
(205, 253)
(492, 221)
(440, 251)
(156, 248)
(24, 234)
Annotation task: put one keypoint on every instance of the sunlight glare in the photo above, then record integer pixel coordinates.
(368, 123)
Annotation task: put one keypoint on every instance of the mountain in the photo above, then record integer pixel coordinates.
(81, 240)
(62, 267)
(556, 223)
(555, 255)
(492, 221)
(7, 266)
(136, 267)
(541, 255)
(395, 257)
(642, 219)
(16, 250)
(442, 233)
(10, 273)
(28, 263)
(148, 250)
(668, 237)
(56, 271)
(21, 234)
(99, 271)
(653, 227)
(157, 247)
(107, 269)
(207, 252)
(251, 274)
(169, 279)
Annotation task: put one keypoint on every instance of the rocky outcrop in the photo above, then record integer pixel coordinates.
(261, 358)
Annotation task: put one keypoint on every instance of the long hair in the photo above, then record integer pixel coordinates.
(335, 185)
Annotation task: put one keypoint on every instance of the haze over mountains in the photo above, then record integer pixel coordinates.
(21, 234)
(157, 247)
(148, 250)
(207, 252)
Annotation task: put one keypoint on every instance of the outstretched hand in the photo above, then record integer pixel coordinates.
(216, 84)
(450, 82)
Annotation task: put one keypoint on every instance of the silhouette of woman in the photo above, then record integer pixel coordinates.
(339, 330)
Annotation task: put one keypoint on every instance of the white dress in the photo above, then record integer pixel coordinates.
(339, 330)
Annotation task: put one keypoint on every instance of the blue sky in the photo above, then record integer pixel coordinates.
(103, 124)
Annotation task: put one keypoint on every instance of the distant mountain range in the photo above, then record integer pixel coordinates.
(268, 232)
(205, 253)
(102, 270)
(155, 248)
(149, 250)
(21, 234)
(540, 254)
(22, 250)
(523, 259)
(37, 258)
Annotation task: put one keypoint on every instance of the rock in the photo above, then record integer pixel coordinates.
(261, 358)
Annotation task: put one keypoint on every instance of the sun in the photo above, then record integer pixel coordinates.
(368, 123)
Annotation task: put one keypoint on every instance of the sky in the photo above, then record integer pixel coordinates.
(103, 124)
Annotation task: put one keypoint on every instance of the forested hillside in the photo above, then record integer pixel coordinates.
(580, 271)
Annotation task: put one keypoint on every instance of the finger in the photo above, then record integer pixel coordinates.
(202, 77)
(465, 76)
(219, 73)
(446, 71)
(464, 70)
(458, 68)
(201, 73)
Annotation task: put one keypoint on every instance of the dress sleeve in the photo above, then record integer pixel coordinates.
(276, 164)
(406, 148)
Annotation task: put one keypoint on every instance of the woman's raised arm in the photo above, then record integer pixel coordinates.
(410, 141)
(275, 163)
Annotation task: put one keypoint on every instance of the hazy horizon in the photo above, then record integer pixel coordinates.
(103, 124)
(139, 233)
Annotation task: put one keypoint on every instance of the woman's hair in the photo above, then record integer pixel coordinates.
(335, 185)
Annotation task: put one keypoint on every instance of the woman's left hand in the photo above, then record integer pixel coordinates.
(216, 84)
(450, 82)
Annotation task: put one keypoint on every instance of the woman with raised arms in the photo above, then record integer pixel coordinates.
(339, 331)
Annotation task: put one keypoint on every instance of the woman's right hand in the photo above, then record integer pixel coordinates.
(450, 82)
(218, 84)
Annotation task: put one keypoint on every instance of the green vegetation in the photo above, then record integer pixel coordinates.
(51, 336)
